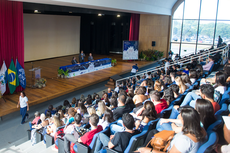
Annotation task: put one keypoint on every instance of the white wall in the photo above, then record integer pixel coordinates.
(132, 6)
(48, 36)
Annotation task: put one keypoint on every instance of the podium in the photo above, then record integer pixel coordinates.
(35, 74)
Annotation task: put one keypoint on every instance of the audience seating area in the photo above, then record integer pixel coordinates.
(129, 86)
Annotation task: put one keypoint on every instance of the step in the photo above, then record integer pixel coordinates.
(11, 149)
(37, 148)
(25, 145)
(51, 150)
(20, 141)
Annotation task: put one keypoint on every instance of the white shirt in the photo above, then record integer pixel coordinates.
(166, 66)
(221, 89)
(193, 80)
(23, 101)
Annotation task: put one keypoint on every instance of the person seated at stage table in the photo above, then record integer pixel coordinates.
(82, 57)
(90, 58)
(74, 61)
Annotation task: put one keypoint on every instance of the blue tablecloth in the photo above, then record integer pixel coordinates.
(87, 67)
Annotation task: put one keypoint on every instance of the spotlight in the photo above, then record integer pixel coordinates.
(99, 14)
(35, 11)
(118, 15)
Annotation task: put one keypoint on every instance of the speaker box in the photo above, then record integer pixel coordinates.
(153, 43)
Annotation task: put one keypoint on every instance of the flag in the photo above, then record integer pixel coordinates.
(3, 78)
(21, 75)
(12, 77)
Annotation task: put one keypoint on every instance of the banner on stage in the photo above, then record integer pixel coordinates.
(87, 67)
(130, 50)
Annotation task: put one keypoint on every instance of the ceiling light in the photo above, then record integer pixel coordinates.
(70, 12)
(118, 15)
(35, 11)
(99, 14)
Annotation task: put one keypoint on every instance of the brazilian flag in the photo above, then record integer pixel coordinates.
(12, 77)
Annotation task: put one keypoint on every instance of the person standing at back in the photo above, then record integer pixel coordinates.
(219, 42)
(24, 106)
(82, 57)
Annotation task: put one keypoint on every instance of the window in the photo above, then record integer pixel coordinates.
(196, 25)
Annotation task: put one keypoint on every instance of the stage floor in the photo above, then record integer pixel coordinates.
(56, 87)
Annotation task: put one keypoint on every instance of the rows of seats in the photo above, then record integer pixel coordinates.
(138, 140)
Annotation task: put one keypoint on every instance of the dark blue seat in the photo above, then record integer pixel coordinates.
(222, 111)
(209, 146)
(136, 140)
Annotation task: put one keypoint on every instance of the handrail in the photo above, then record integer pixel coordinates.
(184, 61)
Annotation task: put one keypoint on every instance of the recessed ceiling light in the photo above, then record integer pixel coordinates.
(118, 15)
(99, 14)
(35, 11)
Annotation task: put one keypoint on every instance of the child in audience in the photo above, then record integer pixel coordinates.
(87, 137)
(120, 140)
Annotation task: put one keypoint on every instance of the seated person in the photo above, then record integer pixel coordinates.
(74, 61)
(148, 115)
(189, 139)
(122, 108)
(140, 96)
(109, 93)
(90, 58)
(175, 88)
(87, 137)
(208, 66)
(51, 109)
(204, 109)
(193, 76)
(160, 104)
(37, 118)
(56, 123)
(181, 84)
(206, 92)
(120, 140)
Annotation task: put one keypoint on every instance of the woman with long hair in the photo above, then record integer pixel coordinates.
(220, 79)
(24, 106)
(101, 109)
(168, 95)
(158, 85)
(191, 136)
(107, 119)
(181, 85)
(206, 112)
(140, 96)
(185, 78)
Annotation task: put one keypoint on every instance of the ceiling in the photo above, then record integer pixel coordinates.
(163, 7)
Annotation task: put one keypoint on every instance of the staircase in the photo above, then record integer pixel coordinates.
(24, 146)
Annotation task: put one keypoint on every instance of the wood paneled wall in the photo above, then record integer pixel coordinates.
(155, 28)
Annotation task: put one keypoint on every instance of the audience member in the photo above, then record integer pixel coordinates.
(87, 137)
(120, 140)
(181, 85)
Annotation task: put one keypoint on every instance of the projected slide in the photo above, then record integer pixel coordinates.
(130, 50)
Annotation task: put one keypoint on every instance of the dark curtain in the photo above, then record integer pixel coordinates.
(134, 27)
(11, 34)
(100, 35)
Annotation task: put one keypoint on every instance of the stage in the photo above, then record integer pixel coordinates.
(56, 87)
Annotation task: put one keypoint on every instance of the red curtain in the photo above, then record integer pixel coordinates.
(134, 27)
(11, 34)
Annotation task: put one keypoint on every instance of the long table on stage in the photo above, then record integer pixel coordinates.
(87, 67)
